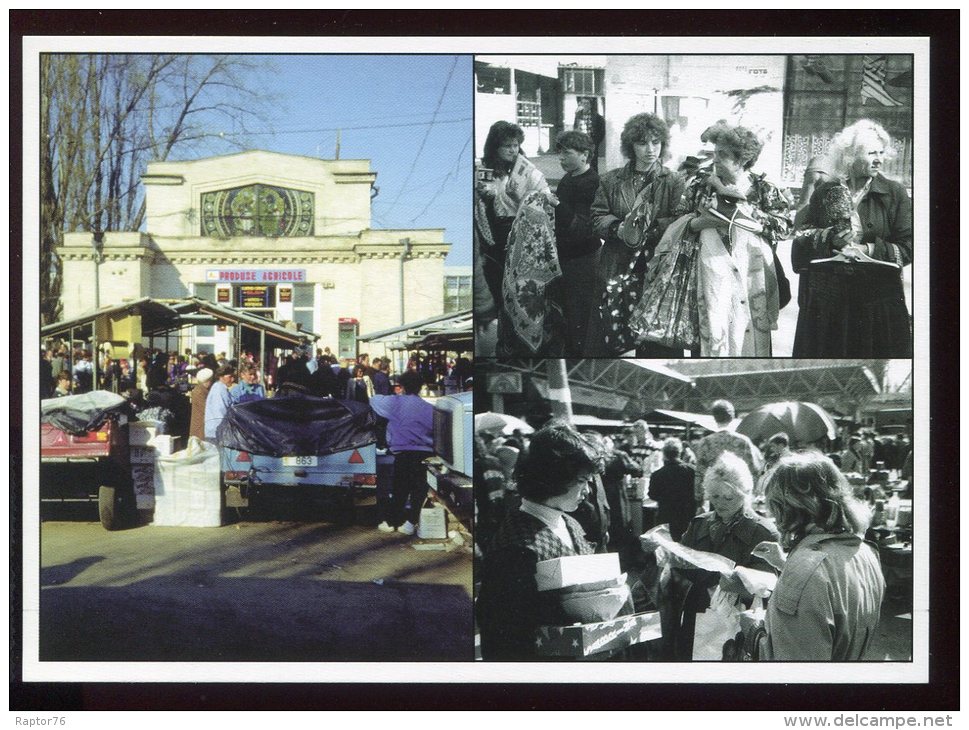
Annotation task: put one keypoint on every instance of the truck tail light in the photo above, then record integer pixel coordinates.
(369, 480)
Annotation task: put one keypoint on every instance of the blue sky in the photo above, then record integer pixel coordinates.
(410, 115)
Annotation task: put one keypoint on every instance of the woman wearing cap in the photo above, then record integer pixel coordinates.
(552, 480)
(827, 601)
(203, 379)
(631, 210)
(738, 219)
(859, 312)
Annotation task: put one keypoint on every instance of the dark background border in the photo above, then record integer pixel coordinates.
(942, 691)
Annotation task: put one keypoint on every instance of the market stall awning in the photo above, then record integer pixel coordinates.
(596, 422)
(626, 386)
(453, 332)
(153, 313)
(193, 311)
(661, 415)
(158, 317)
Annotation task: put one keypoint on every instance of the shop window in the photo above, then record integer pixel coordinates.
(492, 79)
(583, 81)
(257, 210)
(304, 319)
(303, 295)
(457, 293)
(825, 93)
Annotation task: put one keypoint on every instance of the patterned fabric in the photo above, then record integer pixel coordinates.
(531, 320)
(521, 530)
(667, 310)
(512, 189)
(645, 203)
(771, 206)
(737, 285)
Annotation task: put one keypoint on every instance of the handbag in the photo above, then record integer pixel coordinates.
(666, 313)
(783, 283)
(623, 290)
(619, 299)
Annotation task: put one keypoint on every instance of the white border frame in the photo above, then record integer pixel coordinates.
(916, 671)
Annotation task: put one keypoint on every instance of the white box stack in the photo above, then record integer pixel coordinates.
(143, 459)
(188, 487)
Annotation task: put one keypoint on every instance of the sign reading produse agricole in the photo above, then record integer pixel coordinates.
(255, 276)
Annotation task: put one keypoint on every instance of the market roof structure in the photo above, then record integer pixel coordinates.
(453, 332)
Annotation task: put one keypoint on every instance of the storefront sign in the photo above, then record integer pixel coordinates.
(254, 296)
(257, 276)
(224, 296)
(285, 295)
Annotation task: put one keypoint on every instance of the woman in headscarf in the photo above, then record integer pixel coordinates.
(738, 219)
(827, 601)
(856, 311)
(632, 209)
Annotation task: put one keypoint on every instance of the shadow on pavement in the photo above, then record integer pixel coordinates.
(222, 619)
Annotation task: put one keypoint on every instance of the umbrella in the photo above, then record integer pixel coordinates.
(501, 423)
(802, 422)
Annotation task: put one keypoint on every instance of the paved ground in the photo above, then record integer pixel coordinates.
(250, 591)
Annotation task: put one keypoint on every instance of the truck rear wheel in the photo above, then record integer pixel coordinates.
(111, 507)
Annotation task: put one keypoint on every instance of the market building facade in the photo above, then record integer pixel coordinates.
(282, 236)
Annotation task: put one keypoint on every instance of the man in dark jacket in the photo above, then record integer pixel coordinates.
(672, 487)
(576, 242)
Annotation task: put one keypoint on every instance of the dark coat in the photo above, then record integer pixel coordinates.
(672, 487)
(849, 311)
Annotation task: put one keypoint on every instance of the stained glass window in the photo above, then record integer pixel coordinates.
(257, 210)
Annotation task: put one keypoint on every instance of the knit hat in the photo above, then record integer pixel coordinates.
(204, 375)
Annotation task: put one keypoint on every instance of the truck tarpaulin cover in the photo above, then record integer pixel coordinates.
(297, 425)
(78, 414)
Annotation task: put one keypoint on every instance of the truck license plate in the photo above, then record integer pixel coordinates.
(299, 461)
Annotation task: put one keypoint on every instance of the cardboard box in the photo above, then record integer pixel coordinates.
(165, 444)
(143, 479)
(141, 432)
(582, 640)
(433, 523)
(576, 569)
(142, 455)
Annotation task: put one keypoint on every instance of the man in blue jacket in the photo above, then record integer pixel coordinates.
(410, 431)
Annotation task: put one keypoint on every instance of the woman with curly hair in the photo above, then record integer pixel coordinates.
(552, 479)
(856, 311)
(738, 219)
(827, 601)
(631, 211)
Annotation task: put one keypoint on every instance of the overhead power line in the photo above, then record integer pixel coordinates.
(427, 133)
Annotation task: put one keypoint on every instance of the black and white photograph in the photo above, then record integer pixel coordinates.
(694, 205)
(714, 510)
